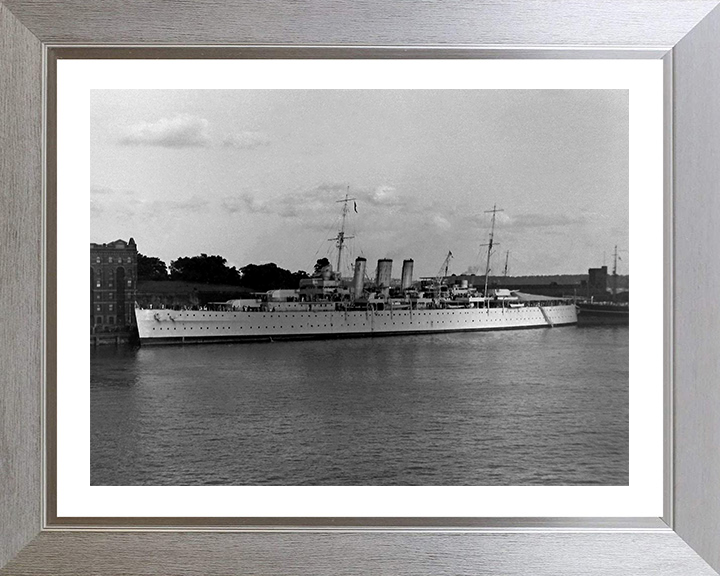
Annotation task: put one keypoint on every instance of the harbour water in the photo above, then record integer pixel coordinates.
(528, 407)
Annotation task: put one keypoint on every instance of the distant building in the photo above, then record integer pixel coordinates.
(597, 281)
(113, 285)
(567, 286)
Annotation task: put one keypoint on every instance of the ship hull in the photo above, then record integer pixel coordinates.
(197, 326)
(600, 313)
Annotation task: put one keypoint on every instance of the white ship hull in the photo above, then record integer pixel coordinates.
(196, 326)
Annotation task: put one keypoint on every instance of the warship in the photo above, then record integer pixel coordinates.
(326, 305)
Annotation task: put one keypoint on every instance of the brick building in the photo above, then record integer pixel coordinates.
(113, 285)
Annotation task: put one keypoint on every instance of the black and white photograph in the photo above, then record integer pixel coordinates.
(359, 287)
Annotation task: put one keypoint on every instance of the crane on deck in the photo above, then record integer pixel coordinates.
(442, 273)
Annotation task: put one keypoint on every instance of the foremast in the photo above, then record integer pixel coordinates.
(341, 237)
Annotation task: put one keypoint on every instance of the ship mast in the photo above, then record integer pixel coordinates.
(489, 245)
(615, 257)
(340, 238)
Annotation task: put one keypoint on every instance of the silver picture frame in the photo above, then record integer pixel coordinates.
(685, 34)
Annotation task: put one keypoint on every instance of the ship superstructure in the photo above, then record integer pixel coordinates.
(327, 305)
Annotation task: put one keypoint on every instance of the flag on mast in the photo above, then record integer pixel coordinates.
(355, 206)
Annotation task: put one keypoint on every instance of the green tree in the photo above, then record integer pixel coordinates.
(204, 268)
(151, 268)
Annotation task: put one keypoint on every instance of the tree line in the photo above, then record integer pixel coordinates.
(214, 270)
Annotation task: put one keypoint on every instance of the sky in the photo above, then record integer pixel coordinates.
(255, 176)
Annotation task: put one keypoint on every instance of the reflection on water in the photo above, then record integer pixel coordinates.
(532, 407)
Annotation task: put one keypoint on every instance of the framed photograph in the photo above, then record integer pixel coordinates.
(256, 209)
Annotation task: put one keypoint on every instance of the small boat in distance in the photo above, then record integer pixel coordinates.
(329, 306)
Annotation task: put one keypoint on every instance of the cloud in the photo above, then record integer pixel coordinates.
(506, 221)
(382, 196)
(245, 203)
(543, 220)
(320, 200)
(189, 205)
(313, 208)
(233, 205)
(108, 202)
(440, 222)
(338, 187)
(102, 190)
(108, 191)
(96, 209)
(183, 131)
(115, 202)
(246, 140)
(385, 195)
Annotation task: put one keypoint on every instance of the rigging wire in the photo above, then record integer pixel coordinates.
(324, 242)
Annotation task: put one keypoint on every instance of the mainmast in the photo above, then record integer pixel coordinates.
(494, 211)
(340, 238)
(615, 259)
